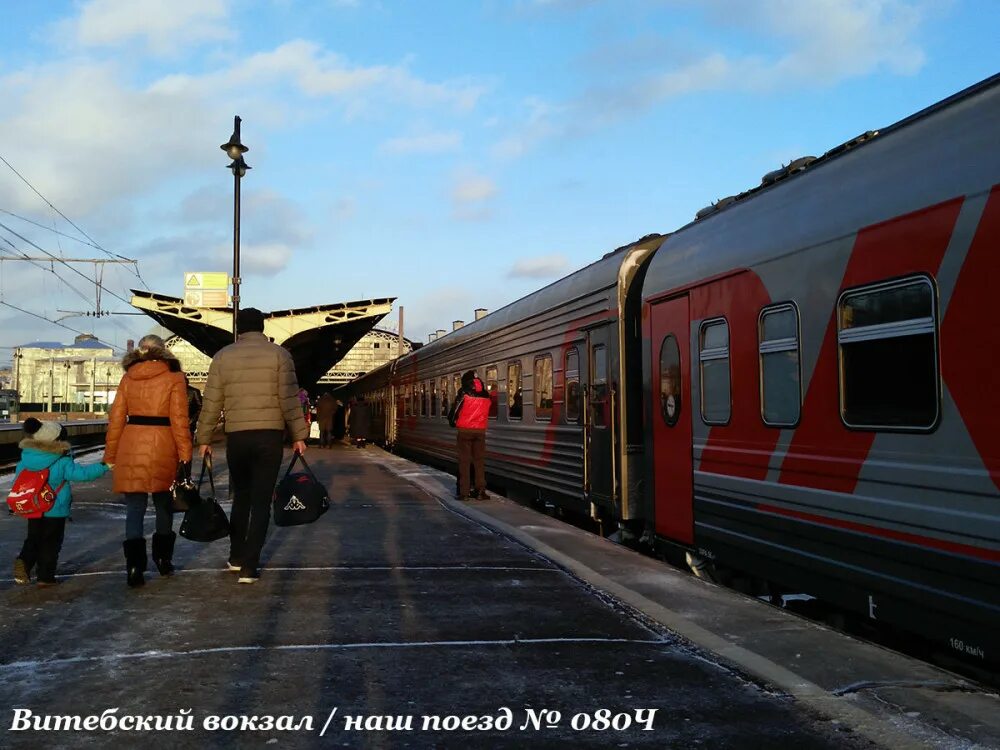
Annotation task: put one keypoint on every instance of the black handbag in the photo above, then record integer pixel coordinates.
(299, 498)
(205, 521)
(183, 493)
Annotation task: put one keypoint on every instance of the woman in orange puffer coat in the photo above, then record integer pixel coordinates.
(148, 434)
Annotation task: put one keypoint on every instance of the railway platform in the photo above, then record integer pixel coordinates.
(405, 619)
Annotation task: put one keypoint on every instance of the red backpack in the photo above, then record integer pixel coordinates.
(32, 496)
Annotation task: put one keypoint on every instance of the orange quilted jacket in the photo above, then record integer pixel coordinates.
(145, 456)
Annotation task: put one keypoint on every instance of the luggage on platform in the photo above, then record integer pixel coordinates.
(299, 498)
(205, 520)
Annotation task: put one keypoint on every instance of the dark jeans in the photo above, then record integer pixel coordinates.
(325, 437)
(42, 545)
(471, 449)
(254, 458)
(135, 512)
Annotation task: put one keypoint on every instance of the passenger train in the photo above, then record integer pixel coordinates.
(799, 384)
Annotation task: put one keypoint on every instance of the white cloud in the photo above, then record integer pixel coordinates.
(162, 27)
(539, 122)
(103, 141)
(426, 143)
(471, 195)
(315, 72)
(473, 188)
(819, 43)
(540, 267)
(264, 259)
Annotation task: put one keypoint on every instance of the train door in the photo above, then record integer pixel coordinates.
(599, 432)
(673, 468)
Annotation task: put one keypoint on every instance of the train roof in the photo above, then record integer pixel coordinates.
(601, 274)
(929, 157)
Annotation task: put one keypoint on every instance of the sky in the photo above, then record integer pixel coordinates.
(453, 154)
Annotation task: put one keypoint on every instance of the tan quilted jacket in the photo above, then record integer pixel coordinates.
(254, 382)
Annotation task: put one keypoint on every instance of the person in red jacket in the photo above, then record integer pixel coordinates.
(469, 413)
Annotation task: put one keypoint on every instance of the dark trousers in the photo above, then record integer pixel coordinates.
(325, 437)
(471, 449)
(135, 512)
(254, 458)
(42, 545)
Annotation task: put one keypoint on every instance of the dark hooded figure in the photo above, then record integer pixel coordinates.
(470, 414)
(360, 422)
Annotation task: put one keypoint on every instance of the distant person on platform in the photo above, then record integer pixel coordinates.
(359, 422)
(326, 408)
(254, 382)
(470, 414)
(148, 434)
(194, 405)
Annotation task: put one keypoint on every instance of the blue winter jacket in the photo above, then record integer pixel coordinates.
(41, 454)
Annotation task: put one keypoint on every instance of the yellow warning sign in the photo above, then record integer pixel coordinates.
(206, 281)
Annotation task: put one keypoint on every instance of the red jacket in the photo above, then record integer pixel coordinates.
(471, 410)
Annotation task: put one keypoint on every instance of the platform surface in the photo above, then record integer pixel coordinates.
(401, 603)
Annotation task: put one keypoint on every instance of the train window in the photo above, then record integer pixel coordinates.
(713, 362)
(491, 386)
(542, 386)
(887, 336)
(572, 385)
(599, 386)
(406, 401)
(670, 380)
(445, 397)
(423, 399)
(780, 383)
(514, 397)
(434, 398)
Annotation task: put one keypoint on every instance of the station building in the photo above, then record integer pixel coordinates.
(50, 376)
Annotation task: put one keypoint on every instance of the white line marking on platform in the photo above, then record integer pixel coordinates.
(373, 645)
(331, 568)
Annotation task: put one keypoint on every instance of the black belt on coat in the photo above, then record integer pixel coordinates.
(149, 421)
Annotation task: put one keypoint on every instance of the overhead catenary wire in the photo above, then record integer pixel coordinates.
(57, 323)
(72, 223)
(22, 256)
(56, 258)
(25, 219)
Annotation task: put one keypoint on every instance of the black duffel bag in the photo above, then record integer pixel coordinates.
(299, 498)
(205, 520)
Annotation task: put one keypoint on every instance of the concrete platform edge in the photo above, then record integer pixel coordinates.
(816, 698)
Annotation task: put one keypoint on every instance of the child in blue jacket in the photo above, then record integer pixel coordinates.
(43, 448)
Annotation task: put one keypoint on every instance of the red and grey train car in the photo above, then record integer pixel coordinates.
(799, 384)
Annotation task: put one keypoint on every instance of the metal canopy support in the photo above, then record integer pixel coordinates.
(317, 337)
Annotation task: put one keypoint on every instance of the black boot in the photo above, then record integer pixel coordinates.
(135, 560)
(163, 552)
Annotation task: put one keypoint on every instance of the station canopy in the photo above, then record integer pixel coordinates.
(317, 337)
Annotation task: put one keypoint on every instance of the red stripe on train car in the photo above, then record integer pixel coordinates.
(742, 448)
(823, 453)
(990, 555)
(970, 337)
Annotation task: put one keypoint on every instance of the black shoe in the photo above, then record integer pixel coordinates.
(135, 561)
(482, 495)
(163, 552)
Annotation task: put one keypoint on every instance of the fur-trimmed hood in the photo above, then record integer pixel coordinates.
(151, 355)
(56, 447)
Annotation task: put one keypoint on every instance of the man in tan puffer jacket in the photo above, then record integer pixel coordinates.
(253, 381)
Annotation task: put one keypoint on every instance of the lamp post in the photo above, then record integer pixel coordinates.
(235, 149)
